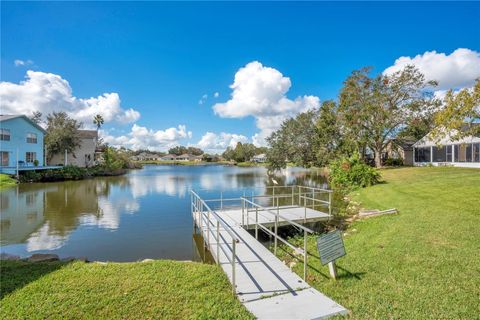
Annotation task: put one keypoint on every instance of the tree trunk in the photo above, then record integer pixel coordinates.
(378, 159)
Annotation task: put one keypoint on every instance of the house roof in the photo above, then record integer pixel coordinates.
(87, 134)
(184, 156)
(169, 156)
(5, 117)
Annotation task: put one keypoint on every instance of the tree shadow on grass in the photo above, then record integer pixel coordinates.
(17, 274)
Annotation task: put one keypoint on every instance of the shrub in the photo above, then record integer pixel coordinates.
(30, 176)
(352, 173)
(73, 172)
(392, 162)
(35, 163)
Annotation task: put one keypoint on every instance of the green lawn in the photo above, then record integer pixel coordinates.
(423, 263)
(6, 181)
(142, 290)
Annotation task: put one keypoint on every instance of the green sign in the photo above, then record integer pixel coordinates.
(330, 246)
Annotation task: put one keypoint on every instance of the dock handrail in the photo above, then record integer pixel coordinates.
(275, 233)
(204, 211)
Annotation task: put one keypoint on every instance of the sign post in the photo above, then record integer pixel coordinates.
(330, 246)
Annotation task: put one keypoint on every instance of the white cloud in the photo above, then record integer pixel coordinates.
(216, 95)
(216, 143)
(203, 99)
(143, 138)
(456, 70)
(19, 62)
(48, 92)
(260, 92)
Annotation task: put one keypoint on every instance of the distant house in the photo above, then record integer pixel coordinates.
(86, 155)
(183, 157)
(401, 149)
(147, 156)
(460, 153)
(168, 157)
(196, 158)
(21, 141)
(260, 158)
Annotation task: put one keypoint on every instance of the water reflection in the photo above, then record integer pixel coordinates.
(144, 214)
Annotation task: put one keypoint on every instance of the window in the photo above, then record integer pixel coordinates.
(449, 153)
(476, 152)
(422, 154)
(463, 153)
(4, 158)
(439, 154)
(31, 138)
(4, 134)
(30, 156)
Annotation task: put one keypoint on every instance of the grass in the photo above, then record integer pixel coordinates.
(160, 289)
(251, 164)
(6, 181)
(175, 162)
(423, 263)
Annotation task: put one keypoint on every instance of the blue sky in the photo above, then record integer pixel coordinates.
(161, 58)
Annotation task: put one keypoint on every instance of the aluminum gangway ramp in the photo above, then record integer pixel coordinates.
(264, 284)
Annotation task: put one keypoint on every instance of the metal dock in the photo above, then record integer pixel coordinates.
(264, 284)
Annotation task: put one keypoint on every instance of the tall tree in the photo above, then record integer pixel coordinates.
(460, 113)
(194, 151)
(178, 150)
(295, 141)
(375, 108)
(98, 121)
(36, 117)
(329, 140)
(62, 134)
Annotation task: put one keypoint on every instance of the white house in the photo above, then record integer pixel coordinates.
(260, 158)
(460, 153)
(83, 156)
(168, 157)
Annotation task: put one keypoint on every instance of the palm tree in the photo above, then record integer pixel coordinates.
(98, 121)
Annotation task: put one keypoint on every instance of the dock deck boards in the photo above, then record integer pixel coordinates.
(265, 285)
(293, 213)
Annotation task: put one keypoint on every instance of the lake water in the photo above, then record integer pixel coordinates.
(143, 214)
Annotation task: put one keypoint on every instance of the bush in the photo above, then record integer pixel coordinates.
(352, 173)
(35, 163)
(392, 162)
(74, 173)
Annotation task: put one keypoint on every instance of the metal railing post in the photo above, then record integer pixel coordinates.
(256, 223)
(305, 255)
(293, 187)
(330, 203)
(273, 196)
(243, 212)
(218, 242)
(313, 201)
(305, 205)
(276, 227)
(299, 195)
(234, 249)
(208, 228)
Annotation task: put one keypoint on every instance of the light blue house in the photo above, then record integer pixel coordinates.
(21, 144)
